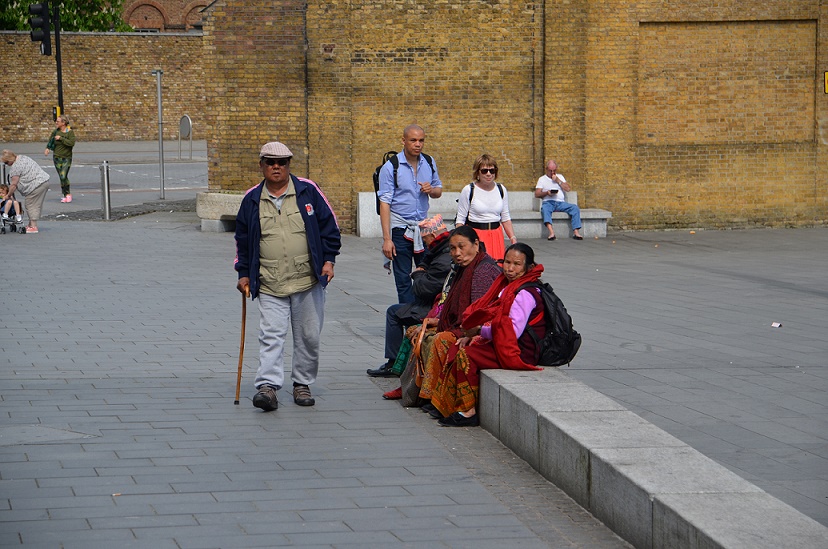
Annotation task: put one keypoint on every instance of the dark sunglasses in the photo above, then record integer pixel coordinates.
(488, 170)
(272, 161)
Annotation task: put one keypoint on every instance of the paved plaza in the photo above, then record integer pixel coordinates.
(120, 346)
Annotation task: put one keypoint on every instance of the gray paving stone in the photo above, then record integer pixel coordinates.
(150, 341)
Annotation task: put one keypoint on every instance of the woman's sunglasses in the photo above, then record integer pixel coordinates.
(488, 170)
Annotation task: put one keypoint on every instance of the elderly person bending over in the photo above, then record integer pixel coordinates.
(29, 178)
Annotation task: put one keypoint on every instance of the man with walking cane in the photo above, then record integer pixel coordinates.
(287, 239)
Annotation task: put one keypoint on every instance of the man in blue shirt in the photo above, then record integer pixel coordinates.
(404, 205)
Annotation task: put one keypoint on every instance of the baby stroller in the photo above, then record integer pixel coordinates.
(12, 222)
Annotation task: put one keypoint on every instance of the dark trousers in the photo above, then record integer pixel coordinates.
(395, 330)
(404, 263)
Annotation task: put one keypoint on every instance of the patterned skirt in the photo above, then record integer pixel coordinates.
(457, 386)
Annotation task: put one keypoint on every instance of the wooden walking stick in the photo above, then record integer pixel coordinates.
(245, 295)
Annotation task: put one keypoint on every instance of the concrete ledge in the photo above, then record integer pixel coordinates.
(678, 515)
(649, 487)
(218, 211)
(523, 206)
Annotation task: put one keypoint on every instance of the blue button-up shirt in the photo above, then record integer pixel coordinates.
(406, 199)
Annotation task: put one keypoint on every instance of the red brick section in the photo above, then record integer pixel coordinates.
(165, 15)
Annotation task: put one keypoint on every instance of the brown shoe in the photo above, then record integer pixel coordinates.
(302, 395)
(265, 399)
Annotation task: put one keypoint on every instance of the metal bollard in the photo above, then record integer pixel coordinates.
(105, 205)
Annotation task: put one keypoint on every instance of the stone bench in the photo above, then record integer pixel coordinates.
(646, 485)
(217, 211)
(524, 207)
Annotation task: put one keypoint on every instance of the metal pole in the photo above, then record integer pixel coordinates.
(5, 180)
(56, 18)
(158, 73)
(105, 205)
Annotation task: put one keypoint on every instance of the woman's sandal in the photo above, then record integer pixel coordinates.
(553, 237)
(396, 394)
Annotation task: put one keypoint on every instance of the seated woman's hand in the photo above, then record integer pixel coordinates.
(430, 322)
(471, 332)
(463, 341)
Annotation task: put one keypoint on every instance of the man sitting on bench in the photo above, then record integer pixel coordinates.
(551, 188)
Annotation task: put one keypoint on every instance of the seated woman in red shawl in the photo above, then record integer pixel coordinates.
(496, 336)
(472, 274)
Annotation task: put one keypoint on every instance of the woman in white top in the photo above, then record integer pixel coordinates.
(484, 206)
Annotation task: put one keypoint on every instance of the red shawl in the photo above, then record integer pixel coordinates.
(494, 309)
(459, 296)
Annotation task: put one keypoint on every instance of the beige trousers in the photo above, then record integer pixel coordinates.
(34, 202)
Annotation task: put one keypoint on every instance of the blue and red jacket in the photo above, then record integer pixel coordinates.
(320, 226)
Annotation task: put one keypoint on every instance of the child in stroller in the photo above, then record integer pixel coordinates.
(10, 211)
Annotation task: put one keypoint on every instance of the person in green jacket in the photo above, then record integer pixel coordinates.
(61, 141)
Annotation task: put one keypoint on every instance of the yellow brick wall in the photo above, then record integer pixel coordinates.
(465, 71)
(705, 113)
(255, 80)
(669, 114)
(109, 92)
(821, 163)
(718, 116)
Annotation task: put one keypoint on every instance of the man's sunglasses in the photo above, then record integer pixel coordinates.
(272, 161)
(488, 170)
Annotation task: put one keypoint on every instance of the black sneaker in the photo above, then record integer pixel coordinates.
(459, 420)
(385, 370)
(266, 398)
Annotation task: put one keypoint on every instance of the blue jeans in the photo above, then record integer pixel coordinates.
(550, 206)
(403, 264)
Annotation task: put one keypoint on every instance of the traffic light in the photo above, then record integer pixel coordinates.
(41, 29)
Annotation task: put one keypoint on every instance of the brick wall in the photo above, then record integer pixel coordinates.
(706, 113)
(109, 92)
(255, 79)
(460, 69)
(679, 114)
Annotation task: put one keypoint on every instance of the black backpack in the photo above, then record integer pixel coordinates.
(561, 342)
(395, 163)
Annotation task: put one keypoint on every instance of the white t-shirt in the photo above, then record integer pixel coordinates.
(486, 206)
(545, 183)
